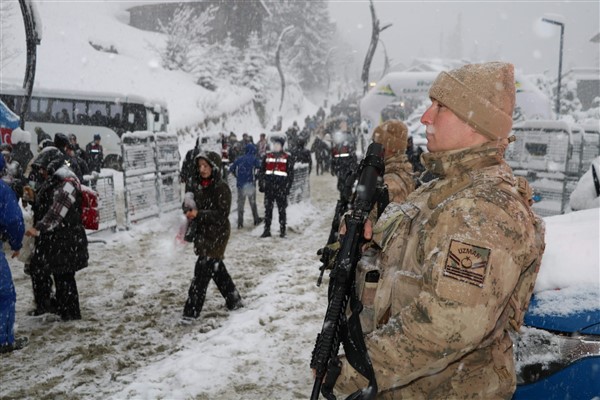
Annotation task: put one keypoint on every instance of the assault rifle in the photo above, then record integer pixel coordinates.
(341, 208)
(342, 289)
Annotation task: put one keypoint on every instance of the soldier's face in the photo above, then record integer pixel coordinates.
(445, 131)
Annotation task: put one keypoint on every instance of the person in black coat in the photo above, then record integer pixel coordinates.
(61, 242)
(275, 180)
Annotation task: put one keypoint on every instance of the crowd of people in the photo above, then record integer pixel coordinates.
(53, 243)
(454, 245)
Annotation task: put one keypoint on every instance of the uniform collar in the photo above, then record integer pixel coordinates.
(457, 162)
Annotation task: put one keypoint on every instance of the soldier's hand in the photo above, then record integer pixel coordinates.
(15, 254)
(367, 230)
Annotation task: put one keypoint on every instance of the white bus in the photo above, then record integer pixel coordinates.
(86, 114)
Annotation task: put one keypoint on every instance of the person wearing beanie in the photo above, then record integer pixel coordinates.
(456, 261)
(275, 180)
(209, 212)
(94, 154)
(398, 177)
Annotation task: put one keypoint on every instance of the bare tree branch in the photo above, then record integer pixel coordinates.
(372, 47)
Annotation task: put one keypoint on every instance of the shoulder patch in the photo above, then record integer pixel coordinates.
(467, 263)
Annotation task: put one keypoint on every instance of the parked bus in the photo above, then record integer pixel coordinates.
(86, 114)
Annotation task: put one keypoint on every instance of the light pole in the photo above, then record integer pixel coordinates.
(562, 33)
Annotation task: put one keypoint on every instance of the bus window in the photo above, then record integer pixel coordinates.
(98, 113)
(136, 117)
(38, 109)
(115, 116)
(81, 117)
(62, 111)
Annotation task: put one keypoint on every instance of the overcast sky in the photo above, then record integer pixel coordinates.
(505, 30)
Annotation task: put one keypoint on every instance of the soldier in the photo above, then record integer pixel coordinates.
(275, 180)
(456, 263)
(393, 135)
(343, 156)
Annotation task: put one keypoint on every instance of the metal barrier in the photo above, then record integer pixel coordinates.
(300, 189)
(150, 174)
(552, 155)
(104, 185)
(167, 162)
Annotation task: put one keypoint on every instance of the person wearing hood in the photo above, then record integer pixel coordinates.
(62, 142)
(208, 207)
(11, 230)
(244, 169)
(60, 239)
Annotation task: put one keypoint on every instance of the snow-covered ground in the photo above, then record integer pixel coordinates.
(129, 343)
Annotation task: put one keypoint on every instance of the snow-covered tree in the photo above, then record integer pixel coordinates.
(185, 33)
(253, 67)
(228, 59)
(306, 47)
(569, 102)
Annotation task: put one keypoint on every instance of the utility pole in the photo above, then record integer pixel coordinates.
(560, 57)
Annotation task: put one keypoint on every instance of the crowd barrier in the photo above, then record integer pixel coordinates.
(151, 184)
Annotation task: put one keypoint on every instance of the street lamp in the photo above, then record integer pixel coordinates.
(562, 32)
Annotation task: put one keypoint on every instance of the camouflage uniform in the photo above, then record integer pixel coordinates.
(457, 265)
(398, 177)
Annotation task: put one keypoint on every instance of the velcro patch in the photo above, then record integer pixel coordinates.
(467, 263)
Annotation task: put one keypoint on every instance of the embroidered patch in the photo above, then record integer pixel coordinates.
(467, 263)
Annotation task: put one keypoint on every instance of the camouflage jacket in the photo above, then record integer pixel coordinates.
(457, 264)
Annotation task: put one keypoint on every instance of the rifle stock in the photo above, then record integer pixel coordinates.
(342, 280)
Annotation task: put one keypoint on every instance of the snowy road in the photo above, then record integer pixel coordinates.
(129, 344)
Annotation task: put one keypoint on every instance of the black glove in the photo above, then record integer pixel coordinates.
(261, 186)
(334, 368)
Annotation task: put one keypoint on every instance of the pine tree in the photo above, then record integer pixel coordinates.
(254, 65)
(569, 102)
(185, 33)
(306, 47)
(228, 58)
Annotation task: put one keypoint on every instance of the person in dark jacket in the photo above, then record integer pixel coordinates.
(94, 154)
(188, 167)
(62, 142)
(11, 229)
(244, 170)
(61, 243)
(209, 211)
(302, 155)
(275, 180)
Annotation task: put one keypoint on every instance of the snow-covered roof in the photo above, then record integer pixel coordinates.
(12, 87)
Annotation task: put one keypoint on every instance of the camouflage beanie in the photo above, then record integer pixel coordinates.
(393, 135)
(482, 95)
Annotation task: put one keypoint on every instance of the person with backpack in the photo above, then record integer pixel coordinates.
(60, 238)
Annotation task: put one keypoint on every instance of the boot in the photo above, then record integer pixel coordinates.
(18, 344)
(265, 234)
(282, 232)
